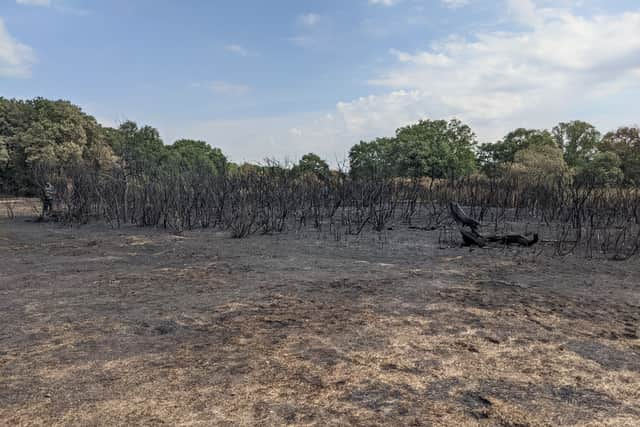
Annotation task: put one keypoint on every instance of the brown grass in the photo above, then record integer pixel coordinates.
(19, 207)
(137, 327)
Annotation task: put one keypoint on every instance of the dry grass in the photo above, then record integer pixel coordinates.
(11, 207)
(135, 327)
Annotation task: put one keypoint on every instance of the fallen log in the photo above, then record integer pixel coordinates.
(514, 239)
(473, 238)
(461, 217)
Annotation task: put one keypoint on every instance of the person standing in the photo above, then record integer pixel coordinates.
(49, 195)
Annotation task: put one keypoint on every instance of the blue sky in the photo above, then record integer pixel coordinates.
(284, 77)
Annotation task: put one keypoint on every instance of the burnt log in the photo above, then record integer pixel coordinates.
(461, 217)
(472, 238)
(514, 239)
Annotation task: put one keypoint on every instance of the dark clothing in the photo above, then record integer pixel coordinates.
(46, 206)
(49, 193)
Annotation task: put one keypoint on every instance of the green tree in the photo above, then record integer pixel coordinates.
(371, 159)
(492, 155)
(579, 142)
(625, 142)
(139, 149)
(43, 132)
(312, 164)
(4, 153)
(539, 162)
(434, 148)
(199, 155)
(140, 153)
(603, 170)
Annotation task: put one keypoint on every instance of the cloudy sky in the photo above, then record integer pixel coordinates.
(284, 77)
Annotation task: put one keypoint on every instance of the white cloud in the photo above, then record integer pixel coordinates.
(45, 3)
(309, 19)
(59, 6)
(525, 12)
(16, 59)
(237, 49)
(384, 2)
(224, 88)
(310, 33)
(495, 81)
(561, 67)
(255, 139)
(454, 4)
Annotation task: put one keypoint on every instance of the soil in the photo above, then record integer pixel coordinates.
(138, 326)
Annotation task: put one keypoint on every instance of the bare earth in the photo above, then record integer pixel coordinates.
(142, 327)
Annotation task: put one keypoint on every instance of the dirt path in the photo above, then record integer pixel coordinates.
(141, 327)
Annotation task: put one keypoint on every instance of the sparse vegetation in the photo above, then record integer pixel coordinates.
(380, 318)
(567, 184)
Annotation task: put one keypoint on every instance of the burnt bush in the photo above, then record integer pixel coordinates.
(572, 216)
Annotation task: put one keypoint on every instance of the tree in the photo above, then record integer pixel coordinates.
(4, 153)
(43, 132)
(139, 148)
(199, 155)
(492, 155)
(579, 142)
(625, 142)
(371, 159)
(312, 164)
(539, 162)
(4, 161)
(434, 148)
(603, 170)
(140, 153)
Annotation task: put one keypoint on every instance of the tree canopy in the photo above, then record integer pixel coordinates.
(312, 164)
(57, 134)
(435, 148)
(492, 155)
(578, 140)
(625, 143)
(43, 132)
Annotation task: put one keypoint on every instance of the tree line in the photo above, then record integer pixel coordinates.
(449, 149)
(40, 134)
(577, 188)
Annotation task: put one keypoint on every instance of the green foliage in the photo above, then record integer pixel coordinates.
(44, 135)
(312, 164)
(539, 162)
(579, 142)
(139, 149)
(434, 148)
(4, 153)
(43, 132)
(625, 142)
(603, 170)
(492, 155)
(371, 159)
(198, 155)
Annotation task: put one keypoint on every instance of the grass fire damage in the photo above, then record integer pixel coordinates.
(267, 296)
(320, 213)
(431, 282)
(425, 280)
